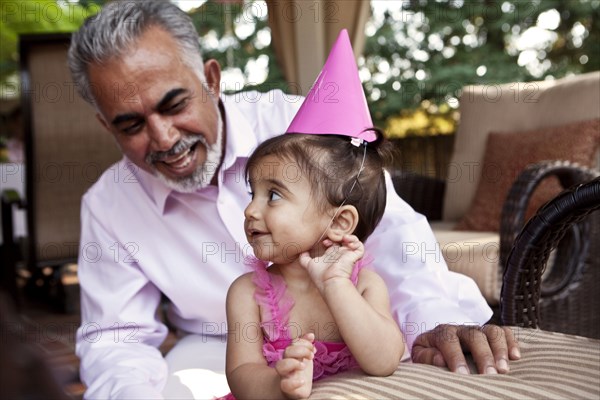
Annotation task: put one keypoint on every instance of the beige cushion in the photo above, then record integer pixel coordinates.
(474, 254)
(509, 108)
(552, 366)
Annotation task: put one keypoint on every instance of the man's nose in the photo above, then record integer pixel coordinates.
(163, 135)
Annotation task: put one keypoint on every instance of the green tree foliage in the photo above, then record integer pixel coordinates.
(238, 36)
(36, 16)
(421, 52)
(418, 53)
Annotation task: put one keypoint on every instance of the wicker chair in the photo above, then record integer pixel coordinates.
(520, 109)
(566, 298)
(527, 109)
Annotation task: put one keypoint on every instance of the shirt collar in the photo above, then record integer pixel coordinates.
(241, 134)
(241, 141)
(154, 187)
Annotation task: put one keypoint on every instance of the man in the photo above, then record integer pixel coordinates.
(168, 218)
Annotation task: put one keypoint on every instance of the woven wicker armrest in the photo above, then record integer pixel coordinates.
(562, 220)
(514, 208)
(425, 194)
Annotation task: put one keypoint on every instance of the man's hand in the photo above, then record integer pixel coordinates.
(491, 347)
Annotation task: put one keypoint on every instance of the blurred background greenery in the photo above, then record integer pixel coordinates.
(417, 56)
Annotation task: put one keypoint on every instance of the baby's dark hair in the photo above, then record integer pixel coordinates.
(331, 164)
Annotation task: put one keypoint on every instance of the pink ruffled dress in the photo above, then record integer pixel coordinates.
(275, 305)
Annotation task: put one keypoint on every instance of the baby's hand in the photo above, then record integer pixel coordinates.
(296, 368)
(337, 261)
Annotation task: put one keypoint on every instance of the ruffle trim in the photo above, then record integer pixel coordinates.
(328, 361)
(275, 305)
(270, 294)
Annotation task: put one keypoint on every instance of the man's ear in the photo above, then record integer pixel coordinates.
(344, 223)
(212, 72)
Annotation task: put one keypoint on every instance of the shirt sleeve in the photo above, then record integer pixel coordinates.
(119, 335)
(423, 292)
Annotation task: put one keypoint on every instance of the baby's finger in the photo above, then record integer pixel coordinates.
(327, 242)
(299, 352)
(289, 385)
(287, 366)
(350, 238)
(305, 259)
(353, 245)
(310, 336)
(305, 340)
(352, 242)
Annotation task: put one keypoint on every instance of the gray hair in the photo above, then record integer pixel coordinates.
(117, 26)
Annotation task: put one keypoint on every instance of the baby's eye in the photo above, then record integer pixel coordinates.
(274, 196)
(249, 189)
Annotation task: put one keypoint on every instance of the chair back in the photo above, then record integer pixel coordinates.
(66, 150)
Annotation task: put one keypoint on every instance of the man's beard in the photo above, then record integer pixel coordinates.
(204, 173)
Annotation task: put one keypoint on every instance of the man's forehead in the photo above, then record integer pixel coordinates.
(154, 51)
(126, 89)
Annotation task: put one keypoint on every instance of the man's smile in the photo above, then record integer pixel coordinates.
(182, 160)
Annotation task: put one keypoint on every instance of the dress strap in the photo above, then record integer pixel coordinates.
(270, 295)
(366, 261)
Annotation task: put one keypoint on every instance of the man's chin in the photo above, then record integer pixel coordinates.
(188, 184)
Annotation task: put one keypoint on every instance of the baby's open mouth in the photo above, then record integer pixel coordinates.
(254, 234)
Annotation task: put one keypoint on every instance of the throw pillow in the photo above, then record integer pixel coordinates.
(508, 153)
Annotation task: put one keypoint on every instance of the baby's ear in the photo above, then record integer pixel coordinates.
(344, 223)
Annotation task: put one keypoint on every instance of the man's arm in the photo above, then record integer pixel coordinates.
(424, 294)
(119, 334)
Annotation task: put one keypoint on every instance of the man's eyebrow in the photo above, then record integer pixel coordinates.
(124, 117)
(171, 94)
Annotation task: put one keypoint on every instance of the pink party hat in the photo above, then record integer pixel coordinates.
(336, 103)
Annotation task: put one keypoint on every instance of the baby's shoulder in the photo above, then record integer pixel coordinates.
(242, 285)
(240, 304)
